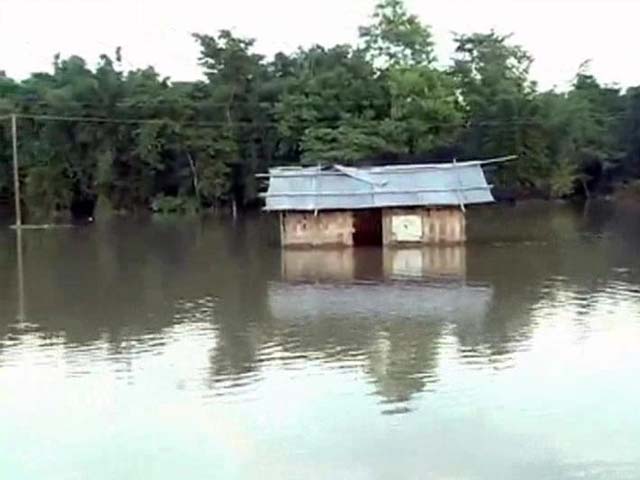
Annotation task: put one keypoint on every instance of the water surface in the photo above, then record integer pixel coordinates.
(198, 350)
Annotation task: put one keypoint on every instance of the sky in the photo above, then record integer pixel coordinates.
(560, 34)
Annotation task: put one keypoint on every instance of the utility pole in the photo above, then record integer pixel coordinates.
(16, 174)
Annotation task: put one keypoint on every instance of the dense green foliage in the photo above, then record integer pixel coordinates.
(126, 140)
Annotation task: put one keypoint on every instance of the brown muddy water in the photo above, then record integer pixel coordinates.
(198, 350)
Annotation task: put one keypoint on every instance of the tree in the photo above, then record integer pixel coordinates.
(597, 115)
(498, 99)
(327, 109)
(424, 110)
(235, 76)
(422, 107)
(129, 140)
(397, 38)
(631, 132)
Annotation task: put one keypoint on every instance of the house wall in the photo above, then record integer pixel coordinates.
(406, 226)
(309, 229)
(400, 226)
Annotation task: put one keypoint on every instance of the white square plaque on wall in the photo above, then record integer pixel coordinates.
(407, 228)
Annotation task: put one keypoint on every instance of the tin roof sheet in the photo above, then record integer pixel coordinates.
(339, 187)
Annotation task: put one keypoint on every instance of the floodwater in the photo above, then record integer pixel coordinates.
(198, 350)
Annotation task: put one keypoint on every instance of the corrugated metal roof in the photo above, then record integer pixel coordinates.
(339, 187)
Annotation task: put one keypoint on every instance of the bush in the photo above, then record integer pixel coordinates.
(164, 205)
(562, 180)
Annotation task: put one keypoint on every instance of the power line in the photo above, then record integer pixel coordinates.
(136, 121)
(133, 103)
(134, 106)
(162, 121)
(63, 118)
(327, 124)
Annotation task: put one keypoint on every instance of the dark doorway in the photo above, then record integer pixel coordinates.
(367, 226)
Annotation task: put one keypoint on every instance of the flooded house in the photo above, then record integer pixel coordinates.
(382, 205)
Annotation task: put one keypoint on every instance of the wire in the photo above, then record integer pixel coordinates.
(132, 106)
(334, 124)
(133, 103)
(62, 118)
(135, 121)
(162, 121)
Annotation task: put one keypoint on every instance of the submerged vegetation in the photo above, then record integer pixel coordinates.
(129, 140)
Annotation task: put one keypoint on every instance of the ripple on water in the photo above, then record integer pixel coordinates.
(233, 387)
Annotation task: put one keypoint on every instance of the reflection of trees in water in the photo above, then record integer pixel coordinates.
(8, 281)
(107, 280)
(545, 256)
(242, 265)
(554, 253)
(393, 329)
(95, 285)
(126, 281)
(403, 360)
(381, 311)
(117, 281)
(398, 354)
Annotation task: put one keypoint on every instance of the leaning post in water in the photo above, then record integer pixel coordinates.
(16, 173)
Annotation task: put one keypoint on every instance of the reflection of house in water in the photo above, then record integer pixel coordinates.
(434, 262)
(390, 205)
(372, 300)
(374, 264)
(391, 306)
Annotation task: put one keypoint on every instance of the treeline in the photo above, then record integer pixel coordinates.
(128, 140)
